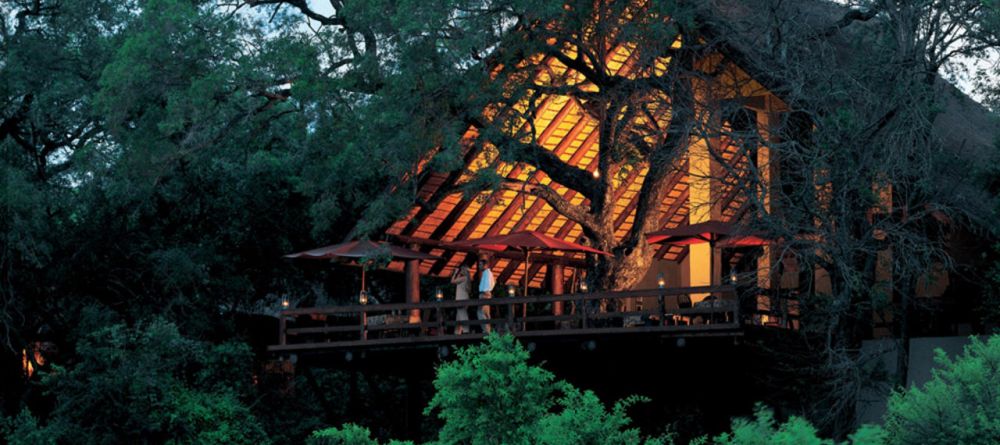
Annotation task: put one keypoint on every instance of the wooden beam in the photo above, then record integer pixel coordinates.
(541, 257)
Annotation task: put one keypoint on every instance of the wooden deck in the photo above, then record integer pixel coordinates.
(583, 314)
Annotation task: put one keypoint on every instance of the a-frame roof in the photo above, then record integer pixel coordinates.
(563, 128)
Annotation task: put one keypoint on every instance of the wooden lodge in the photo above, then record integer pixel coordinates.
(697, 289)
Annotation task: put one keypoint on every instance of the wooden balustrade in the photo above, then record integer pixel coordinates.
(387, 325)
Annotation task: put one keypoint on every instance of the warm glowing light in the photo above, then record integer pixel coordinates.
(596, 174)
(363, 297)
(660, 281)
(26, 365)
(285, 303)
(583, 287)
(732, 276)
(511, 290)
(439, 295)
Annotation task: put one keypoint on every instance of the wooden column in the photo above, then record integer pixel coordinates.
(767, 168)
(703, 206)
(556, 278)
(412, 273)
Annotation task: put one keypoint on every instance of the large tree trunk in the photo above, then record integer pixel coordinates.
(624, 270)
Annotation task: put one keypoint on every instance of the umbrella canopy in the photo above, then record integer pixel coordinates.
(715, 233)
(362, 249)
(703, 232)
(723, 233)
(527, 240)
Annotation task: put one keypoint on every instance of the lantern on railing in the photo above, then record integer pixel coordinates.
(363, 297)
(660, 281)
(285, 303)
(439, 295)
(732, 276)
(511, 290)
(584, 287)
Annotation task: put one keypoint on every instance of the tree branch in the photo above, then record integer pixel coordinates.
(574, 212)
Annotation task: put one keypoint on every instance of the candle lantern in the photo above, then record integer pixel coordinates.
(363, 297)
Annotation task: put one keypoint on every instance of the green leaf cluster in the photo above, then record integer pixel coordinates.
(146, 384)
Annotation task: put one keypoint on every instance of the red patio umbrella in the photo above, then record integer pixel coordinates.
(527, 242)
(362, 249)
(714, 233)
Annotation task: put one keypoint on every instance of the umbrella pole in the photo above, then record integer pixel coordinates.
(524, 307)
(711, 263)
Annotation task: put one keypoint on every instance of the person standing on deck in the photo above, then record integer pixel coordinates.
(462, 279)
(486, 284)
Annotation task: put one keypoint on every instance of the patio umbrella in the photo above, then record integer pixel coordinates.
(527, 242)
(362, 249)
(714, 233)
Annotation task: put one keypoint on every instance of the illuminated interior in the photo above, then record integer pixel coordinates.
(562, 127)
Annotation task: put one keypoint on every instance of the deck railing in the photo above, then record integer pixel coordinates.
(355, 326)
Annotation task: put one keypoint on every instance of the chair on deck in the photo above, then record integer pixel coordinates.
(683, 302)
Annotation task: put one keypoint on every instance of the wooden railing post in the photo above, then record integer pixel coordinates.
(510, 315)
(411, 271)
(282, 328)
(663, 309)
(364, 325)
(556, 277)
(440, 317)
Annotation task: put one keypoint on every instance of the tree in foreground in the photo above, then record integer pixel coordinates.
(146, 384)
(960, 404)
(490, 395)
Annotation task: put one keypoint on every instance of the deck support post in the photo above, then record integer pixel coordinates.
(412, 272)
(556, 277)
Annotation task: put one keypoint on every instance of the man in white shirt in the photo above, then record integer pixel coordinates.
(486, 283)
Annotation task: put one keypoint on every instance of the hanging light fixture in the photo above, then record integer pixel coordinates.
(511, 290)
(661, 282)
(285, 303)
(732, 276)
(584, 287)
(439, 295)
(363, 297)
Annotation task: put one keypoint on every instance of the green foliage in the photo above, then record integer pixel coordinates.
(148, 383)
(349, 434)
(763, 429)
(490, 394)
(24, 430)
(960, 404)
(583, 419)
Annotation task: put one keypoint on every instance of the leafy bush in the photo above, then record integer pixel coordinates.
(763, 429)
(146, 384)
(960, 404)
(349, 434)
(491, 395)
